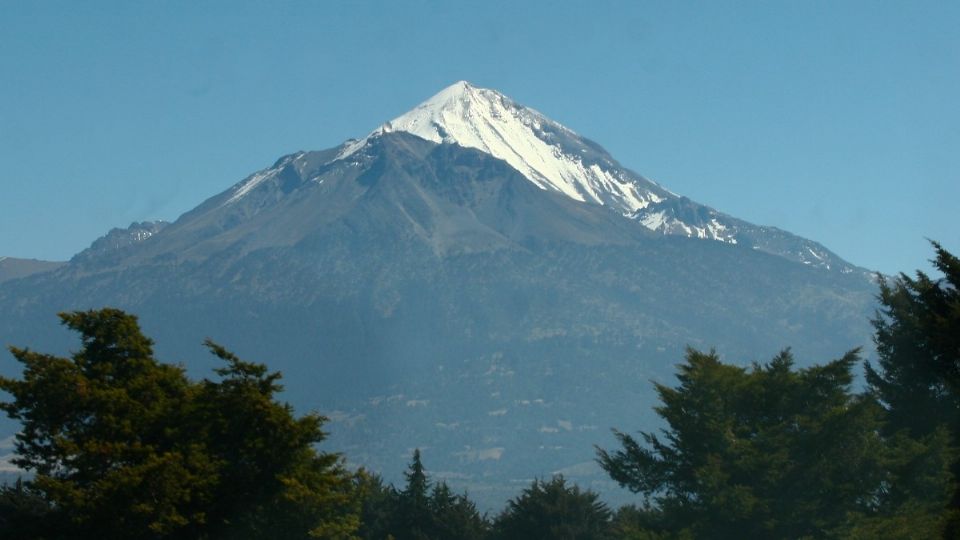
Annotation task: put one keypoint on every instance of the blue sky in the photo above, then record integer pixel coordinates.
(838, 121)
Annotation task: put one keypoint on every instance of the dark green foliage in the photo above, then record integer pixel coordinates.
(124, 446)
(96, 430)
(24, 514)
(378, 507)
(908, 502)
(555, 511)
(417, 512)
(455, 516)
(414, 519)
(266, 458)
(641, 523)
(769, 452)
(918, 344)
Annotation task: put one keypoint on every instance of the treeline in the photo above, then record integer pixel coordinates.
(123, 446)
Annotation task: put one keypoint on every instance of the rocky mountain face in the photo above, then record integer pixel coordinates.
(472, 279)
(118, 239)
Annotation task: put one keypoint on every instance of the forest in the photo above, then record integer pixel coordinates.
(117, 444)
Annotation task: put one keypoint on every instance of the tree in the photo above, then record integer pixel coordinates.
(455, 517)
(414, 521)
(24, 514)
(918, 344)
(378, 507)
(267, 460)
(553, 510)
(918, 380)
(769, 452)
(417, 511)
(124, 446)
(631, 522)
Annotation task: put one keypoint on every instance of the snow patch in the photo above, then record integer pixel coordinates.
(654, 220)
(814, 253)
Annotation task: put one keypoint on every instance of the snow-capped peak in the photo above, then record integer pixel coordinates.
(548, 154)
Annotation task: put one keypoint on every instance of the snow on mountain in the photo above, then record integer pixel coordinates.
(550, 155)
(662, 221)
(555, 158)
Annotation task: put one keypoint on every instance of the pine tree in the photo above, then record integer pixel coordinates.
(124, 446)
(24, 514)
(455, 517)
(379, 506)
(918, 380)
(551, 510)
(414, 521)
(918, 344)
(767, 452)
(640, 523)
(419, 511)
(95, 429)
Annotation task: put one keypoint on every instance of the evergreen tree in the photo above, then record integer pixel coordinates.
(769, 452)
(378, 508)
(418, 511)
(414, 521)
(95, 431)
(266, 459)
(552, 510)
(455, 517)
(918, 344)
(24, 514)
(124, 446)
(641, 523)
(910, 497)
(918, 380)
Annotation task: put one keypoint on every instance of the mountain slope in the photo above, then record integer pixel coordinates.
(429, 295)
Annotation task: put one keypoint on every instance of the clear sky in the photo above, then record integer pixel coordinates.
(838, 121)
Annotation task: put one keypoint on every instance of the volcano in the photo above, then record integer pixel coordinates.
(472, 279)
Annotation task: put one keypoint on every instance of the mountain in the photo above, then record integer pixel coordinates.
(555, 158)
(11, 268)
(471, 279)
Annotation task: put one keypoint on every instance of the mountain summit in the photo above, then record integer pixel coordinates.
(548, 154)
(555, 158)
